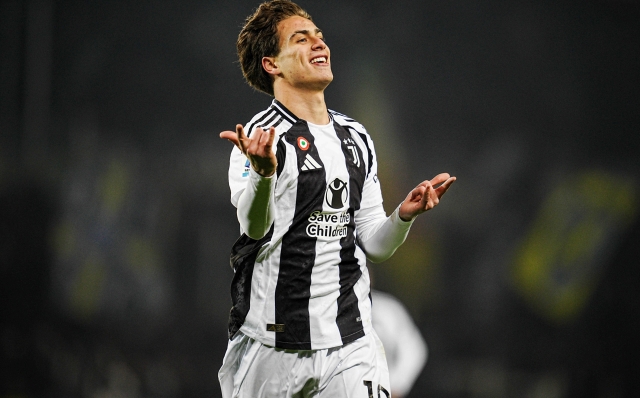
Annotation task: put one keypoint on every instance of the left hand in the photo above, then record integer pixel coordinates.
(425, 196)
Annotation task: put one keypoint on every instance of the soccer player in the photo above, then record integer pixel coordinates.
(304, 181)
(405, 348)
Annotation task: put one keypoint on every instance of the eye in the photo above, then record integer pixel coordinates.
(302, 40)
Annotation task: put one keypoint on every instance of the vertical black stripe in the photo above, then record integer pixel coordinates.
(348, 318)
(297, 257)
(243, 260)
(369, 153)
(281, 155)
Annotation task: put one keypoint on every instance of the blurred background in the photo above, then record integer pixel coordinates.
(116, 225)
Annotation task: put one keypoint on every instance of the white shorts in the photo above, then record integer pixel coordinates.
(253, 370)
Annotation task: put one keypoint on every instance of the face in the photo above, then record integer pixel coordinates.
(303, 61)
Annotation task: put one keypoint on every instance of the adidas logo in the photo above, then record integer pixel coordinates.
(310, 164)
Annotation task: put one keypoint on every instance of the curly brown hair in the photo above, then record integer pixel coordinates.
(259, 38)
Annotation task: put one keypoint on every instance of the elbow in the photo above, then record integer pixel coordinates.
(374, 251)
(378, 257)
(255, 233)
(255, 236)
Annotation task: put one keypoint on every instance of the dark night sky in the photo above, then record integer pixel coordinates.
(114, 181)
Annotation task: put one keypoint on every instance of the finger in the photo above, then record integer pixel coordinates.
(243, 140)
(440, 178)
(417, 194)
(421, 197)
(422, 185)
(263, 138)
(231, 136)
(240, 131)
(430, 198)
(442, 189)
(271, 137)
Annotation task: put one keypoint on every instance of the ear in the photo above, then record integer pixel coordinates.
(269, 65)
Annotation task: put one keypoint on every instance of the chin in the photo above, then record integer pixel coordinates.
(328, 79)
(325, 83)
(319, 84)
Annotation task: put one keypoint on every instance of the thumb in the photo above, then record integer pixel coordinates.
(231, 136)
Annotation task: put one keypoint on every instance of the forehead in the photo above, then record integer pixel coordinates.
(289, 26)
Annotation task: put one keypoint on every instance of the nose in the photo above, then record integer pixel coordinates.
(318, 44)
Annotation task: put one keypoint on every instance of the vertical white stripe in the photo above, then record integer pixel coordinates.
(362, 290)
(265, 274)
(252, 324)
(323, 305)
(325, 279)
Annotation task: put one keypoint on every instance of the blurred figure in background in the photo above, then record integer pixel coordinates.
(404, 346)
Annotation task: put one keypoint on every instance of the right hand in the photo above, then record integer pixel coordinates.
(258, 149)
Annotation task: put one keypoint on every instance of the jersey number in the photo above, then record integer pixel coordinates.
(380, 388)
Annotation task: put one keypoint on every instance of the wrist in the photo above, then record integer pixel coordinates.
(402, 216)
(258, 174)
(265, 170)
(265, 173)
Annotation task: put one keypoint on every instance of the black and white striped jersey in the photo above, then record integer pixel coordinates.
(305, 285)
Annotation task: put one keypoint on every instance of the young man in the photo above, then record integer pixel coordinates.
(303, 179)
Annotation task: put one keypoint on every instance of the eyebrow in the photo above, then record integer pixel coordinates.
(304, 32)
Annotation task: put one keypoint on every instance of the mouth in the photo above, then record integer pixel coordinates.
(320, 60)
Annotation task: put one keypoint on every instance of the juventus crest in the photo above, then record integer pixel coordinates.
(351, 146)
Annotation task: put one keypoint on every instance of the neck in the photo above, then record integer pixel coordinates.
(307, 105)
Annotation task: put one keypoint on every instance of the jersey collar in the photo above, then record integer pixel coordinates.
(287, 114)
